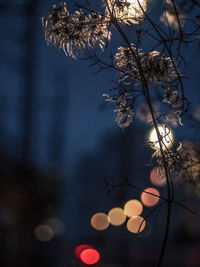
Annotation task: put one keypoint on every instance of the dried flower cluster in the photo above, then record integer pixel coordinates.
(126, 11)
(175, 99)
(187, 168)
(74, 32)
(124, 108)
(155, 67)
(183, 162)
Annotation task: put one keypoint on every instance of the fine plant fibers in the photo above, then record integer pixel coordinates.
(141, 72)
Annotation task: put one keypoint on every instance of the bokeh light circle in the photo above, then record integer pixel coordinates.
(166, 135)
(148, 199)
(116, 216)
(136, 224)
(44, 233)
(79, 249)
(133, 207)
(90, 256)
(157, 176)
(56, 224)
(99, 221)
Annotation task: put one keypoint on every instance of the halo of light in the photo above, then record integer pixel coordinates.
(133, 207)
(166, 135)
(90, 256)
(148, 199)
(99, 221)
(116, 216)
(128, 12)
(136, 224)
(157, 176)
(79, 249)
(44, 233)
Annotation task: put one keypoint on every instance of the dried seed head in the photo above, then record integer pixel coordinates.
(155, 67)
(158, 68)
(74, 32)
(124, 108)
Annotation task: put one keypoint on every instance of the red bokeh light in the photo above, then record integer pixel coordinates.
(90, 256)
(79, 249)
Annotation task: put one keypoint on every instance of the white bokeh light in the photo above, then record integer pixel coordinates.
(127, 11)
(166, 136)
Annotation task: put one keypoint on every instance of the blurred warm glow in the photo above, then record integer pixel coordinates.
(157, 176)
(136, 224)
(116, 216)
(44, 233)
(166, 135)
(127, 11)
(169, 16)
(90, 256)
(133, 207)
(79, 249)
(150, 200)
(99, 221)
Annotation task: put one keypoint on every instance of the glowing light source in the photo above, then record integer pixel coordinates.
(127, 11)
(44, 233)
(79, 249)
(136, 224)
(133, 208)
(157, 176)
(166, 137)
(99, 221)
(148, 199)
(90, 256)
(116, 216)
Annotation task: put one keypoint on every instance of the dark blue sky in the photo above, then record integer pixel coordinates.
(70, 118)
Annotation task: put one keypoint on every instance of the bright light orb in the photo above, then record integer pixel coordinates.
(150, 200)
(127, 11)
(116, 216)
(90, 256)
(133, 207)
(166, 137)
(136, 224)
(157, 176)
(79, 249)
(99, 221)
(44, 233)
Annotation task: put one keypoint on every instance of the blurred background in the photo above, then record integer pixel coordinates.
(59, 142)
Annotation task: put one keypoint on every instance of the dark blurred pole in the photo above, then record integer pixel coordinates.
(27, 12)
(57, 128)
(28, 84)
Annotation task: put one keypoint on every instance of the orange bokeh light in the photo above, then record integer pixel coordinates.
(99, 221)
(148, 199)
(157, 176)
(133, 207)
(116, 216)
(90, 256)
(136, 224)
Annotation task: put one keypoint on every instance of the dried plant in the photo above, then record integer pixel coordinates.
(143, 72)
(74, 32)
